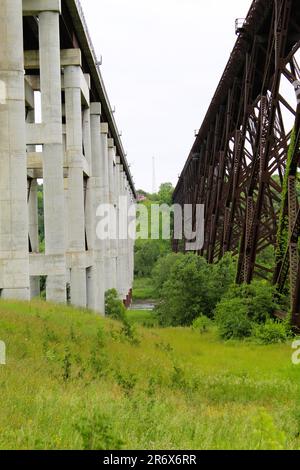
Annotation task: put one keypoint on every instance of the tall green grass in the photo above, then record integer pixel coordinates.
(143, 289)
(76, 381)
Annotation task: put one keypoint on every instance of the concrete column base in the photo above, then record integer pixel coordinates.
(79, 287)
(34, 287)
(15, 294)
(56, 289)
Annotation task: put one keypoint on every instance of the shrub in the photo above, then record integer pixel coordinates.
(162, 270)
(114, 307)
(183, 295)
(97, 433)
(202, 324)
(221, 278)
(246, 307)
(192, 286)
(258, 297)
(232, 318)
(129, 332)
(271, 332)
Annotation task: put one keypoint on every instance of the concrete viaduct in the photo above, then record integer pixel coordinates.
(57, 125)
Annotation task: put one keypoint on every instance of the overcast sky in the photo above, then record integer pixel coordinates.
(162, 61)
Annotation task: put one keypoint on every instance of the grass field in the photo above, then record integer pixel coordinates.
(75, 381)
(143, 289)
(142, 317)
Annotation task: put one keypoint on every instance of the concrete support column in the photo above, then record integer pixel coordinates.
(76, 213)
(33, 214)
(117, 203)
(119, 241)
(122, 275)
(105, 200)
(131, 241)
(33, 232)
(112, 201)
(86, 129)
(14, 258)
(50, 80)
(128, 242)
(97, 301)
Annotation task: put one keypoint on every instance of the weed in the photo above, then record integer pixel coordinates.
(127, 382)
(97, 433)
(67, 365)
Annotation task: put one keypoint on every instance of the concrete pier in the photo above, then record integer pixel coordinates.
(14, 256)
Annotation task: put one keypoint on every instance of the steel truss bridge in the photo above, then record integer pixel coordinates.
(243, 165)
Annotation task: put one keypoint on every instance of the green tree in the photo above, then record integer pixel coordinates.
(259, 299)
(162, 270)
(147, 252)
(192, 287)
(165, 193)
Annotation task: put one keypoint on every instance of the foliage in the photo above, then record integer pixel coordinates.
(271, 332)
(244, 307)
(191, 287)
(114, 307)
(97, 433)
(162, 270)
(165, 193)
(259, 299)
(232, 318)
(183, 295)
(266, 258)
(220, 279)
(202, 324)
(147, 252)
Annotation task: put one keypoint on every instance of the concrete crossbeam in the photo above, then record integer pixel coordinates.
(34, 7)
(67, 57)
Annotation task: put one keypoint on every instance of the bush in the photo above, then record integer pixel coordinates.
(192, 286)
(259, 298)
(202, 324)
(271, 332)
(97, 433)
(114, 307)
(232, 318)
(162, 270)
(221, 278)
(183, 295)
(247, 308)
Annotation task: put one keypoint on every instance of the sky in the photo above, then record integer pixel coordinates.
(162, 61)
